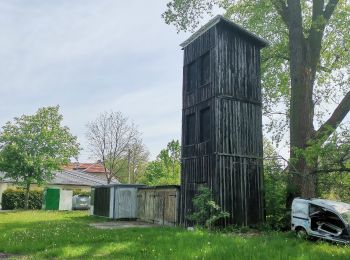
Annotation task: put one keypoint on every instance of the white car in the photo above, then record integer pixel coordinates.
(319, 218)
(81, 202)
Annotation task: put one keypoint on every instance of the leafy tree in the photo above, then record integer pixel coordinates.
(334, 186)
(33, 147)
(137, 161)
(333, 180)
(155, 174)
(304, 71)
(110, 138)
(166, 168)
(275, 188)
(171, 157)
(134, 165)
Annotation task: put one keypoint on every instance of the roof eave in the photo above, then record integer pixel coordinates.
(262, 42)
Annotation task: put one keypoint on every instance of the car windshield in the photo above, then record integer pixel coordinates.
(346, 216)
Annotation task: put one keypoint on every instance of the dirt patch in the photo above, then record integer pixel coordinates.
(245, 234)
(122, 224)
(6, 256)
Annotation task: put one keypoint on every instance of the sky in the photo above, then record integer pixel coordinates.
(91, 56)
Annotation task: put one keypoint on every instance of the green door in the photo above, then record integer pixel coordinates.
(52, 199)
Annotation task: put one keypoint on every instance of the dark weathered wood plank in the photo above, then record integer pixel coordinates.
(230, 162)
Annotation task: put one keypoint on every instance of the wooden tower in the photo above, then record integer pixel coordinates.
(222, 121)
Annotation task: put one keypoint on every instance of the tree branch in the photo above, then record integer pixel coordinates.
(332, 4)
(332, 170)
(275, 56)
(317, 9)
(320, 19)
(282, 10)
(316, 34)
(335, 119)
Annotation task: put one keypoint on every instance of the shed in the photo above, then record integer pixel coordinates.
(222, 121)
(57, 199)
(116, 201)
(159, 204)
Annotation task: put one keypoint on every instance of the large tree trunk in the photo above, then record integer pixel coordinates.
(305, 52)
(302, 181)
(26, 198)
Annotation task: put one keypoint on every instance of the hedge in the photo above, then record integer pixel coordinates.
(80, 192)
(14, 199)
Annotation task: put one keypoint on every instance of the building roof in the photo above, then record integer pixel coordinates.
(72, 177)
(217, 19)
(85, 167)
(121, 185)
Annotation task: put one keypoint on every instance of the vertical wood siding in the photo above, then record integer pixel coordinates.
(159, 205)
(230, 162)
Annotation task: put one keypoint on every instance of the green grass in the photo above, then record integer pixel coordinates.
(66, 235)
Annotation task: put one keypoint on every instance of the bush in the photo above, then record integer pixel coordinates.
(79, 192)
(277, 215)
(207, 212)
(14, 199)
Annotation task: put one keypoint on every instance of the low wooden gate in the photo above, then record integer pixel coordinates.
(159, 204)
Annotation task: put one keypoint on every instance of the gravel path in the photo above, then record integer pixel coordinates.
(6, 256)
(122, 224)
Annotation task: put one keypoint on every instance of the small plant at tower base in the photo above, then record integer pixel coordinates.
(207, 213)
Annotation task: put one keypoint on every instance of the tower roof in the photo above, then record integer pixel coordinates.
(220, 19)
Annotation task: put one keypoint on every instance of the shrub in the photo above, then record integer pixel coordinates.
(14, 199)
(277, 215)
(207, 212)
(80, 192)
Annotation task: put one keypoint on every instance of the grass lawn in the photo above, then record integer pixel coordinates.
(43, 234)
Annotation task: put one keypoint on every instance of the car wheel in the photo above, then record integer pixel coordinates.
(301, 233)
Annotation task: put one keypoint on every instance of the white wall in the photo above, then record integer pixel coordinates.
(3, 187)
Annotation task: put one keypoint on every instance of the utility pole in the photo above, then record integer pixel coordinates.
(129, 166)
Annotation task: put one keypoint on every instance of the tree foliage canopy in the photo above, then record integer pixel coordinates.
(305, 72)
(33, 147)
(165, 170)
(133, 166)
(263, 17)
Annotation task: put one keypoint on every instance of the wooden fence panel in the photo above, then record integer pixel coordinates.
(159, 205)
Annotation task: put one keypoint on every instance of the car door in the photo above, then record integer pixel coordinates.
(300, 214)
